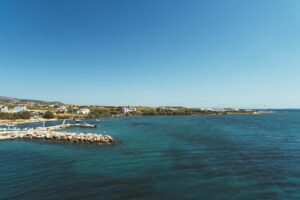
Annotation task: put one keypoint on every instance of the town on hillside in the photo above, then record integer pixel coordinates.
(39, 110)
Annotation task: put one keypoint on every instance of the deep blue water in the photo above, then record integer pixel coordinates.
(162, 157)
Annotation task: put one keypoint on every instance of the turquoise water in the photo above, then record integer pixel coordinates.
(162, 157)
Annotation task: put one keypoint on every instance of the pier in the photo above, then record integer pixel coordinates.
(52, 133)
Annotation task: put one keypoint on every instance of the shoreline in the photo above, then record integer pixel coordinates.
(4, 122)
(25, 121)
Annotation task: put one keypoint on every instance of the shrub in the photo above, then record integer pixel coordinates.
(49, 115)
(12, 116)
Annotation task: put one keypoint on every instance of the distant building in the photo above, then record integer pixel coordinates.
(83, 111)
(3, 108)
(230, 109)
(168, 108)
(62, 109)
(126, 110)
(20, 109)
(214, 109)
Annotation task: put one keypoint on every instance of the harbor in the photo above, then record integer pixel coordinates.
(52, 133)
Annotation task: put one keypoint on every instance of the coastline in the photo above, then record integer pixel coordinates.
(4, 122)
(25, 121)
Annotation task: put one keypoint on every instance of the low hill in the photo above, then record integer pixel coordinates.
(15, 100)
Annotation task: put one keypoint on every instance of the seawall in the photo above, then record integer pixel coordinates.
(51, 133)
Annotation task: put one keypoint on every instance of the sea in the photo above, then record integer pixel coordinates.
(206, 157)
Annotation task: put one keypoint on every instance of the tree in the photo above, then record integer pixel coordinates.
(49, 115)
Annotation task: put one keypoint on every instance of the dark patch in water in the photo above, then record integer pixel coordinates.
(265, 167)
(68, 184)
(182, 160)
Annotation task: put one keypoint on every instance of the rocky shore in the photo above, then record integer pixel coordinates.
(50, 133)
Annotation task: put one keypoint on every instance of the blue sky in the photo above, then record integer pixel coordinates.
(153, 52)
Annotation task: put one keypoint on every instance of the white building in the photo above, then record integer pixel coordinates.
(3, 108)
(83, 111)
(62, 109)
(20, 109)
(168, 108)
(128, 110)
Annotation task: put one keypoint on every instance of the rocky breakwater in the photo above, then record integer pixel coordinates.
(50, 134)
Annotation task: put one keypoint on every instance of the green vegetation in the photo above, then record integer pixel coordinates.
(161, 111)
(37, 107)
(64, 116)
(99, 112)
(13, 116)
(49, 115)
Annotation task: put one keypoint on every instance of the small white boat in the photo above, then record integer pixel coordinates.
(85, 125)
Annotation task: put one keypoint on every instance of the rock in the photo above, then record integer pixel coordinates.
(49, 133)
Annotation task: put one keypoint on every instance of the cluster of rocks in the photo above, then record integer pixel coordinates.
(61, 136)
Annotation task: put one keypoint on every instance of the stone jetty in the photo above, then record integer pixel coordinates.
(51, 133)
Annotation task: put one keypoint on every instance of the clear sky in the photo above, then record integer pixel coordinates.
(243, 53)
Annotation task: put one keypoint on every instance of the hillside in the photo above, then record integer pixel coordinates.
(4, 99)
